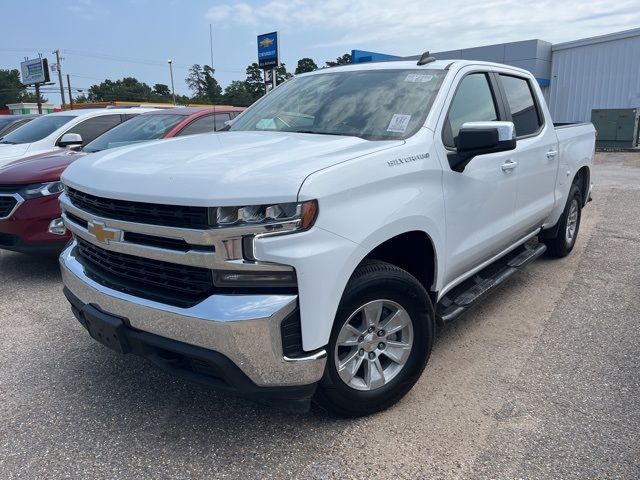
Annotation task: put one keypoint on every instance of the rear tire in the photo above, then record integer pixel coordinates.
(562, 242)
(380, 341)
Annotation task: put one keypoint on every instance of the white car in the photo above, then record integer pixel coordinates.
(313, 248)
(56, 131)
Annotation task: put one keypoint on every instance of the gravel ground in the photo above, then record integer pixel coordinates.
(540, 381)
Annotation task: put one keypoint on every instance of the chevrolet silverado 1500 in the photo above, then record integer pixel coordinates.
(311, 250)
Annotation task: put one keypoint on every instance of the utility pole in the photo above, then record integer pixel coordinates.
(70, 96)
(59, 68)
(173, 93)
(38, 98)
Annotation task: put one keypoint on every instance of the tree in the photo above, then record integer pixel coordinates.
(343, 60)
(82, 98)
(30, 97)
(203, 84)
(306, 65)
(127, 89)
(254, 81)
(11, 89)
(238, 94)
(162, 90)
(282, 75)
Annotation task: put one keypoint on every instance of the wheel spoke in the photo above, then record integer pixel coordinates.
(396, 322)
(348, 336)
(373, 374)
(397, 352)
(372, 314)
(348, 368)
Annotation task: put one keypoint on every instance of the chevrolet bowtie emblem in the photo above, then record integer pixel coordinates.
(266, 43)
(102, 233)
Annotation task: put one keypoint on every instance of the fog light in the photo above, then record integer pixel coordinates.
(56, 227)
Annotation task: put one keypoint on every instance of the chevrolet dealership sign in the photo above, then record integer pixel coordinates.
(268, 50)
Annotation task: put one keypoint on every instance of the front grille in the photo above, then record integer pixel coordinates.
(139, 212)
(7, 204)
(170, 283)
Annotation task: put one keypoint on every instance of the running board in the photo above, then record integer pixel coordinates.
(462, 297)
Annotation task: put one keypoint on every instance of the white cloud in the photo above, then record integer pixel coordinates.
(409, 25)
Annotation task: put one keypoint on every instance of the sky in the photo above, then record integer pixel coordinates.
(111, 39)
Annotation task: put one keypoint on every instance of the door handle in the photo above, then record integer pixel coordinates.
(510, 165)
(551, 154)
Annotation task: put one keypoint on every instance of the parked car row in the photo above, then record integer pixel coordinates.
(33, 156)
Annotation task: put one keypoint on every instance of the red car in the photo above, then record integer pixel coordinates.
(29, 188)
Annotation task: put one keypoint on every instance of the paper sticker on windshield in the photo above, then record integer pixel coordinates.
(398, 123)
(418, 78)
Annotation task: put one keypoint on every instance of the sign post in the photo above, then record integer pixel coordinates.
(269, 57)
(35, 72)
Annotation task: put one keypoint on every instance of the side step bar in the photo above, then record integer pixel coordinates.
(461, 298)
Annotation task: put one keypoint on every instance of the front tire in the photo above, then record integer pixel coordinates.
(562, 242)
(380, 341)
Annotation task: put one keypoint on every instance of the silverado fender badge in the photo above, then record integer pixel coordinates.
(412, 158)
(104, 234)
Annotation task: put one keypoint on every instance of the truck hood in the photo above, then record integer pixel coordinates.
(37, 169)
(215, 169)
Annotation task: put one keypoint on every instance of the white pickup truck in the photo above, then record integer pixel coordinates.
(311, 250)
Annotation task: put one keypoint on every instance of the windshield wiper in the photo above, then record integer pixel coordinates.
(6, 142)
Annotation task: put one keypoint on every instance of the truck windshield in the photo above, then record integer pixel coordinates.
(36, 129)
(139, 129)
(371, 104)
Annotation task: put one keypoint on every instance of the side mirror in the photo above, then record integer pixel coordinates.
(480, 138)
(70, 140)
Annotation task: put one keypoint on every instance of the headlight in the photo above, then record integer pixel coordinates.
(281, 216)
(255, 279)
(42, 190)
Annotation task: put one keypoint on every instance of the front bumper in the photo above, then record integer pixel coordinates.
(26, 230)
(245, 329)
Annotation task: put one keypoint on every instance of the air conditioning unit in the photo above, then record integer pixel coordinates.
(616, 127)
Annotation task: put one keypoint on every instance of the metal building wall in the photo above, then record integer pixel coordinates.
(601, 72)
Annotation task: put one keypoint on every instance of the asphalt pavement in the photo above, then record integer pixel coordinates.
(540, 381)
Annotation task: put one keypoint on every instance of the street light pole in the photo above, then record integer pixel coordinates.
(173, 93)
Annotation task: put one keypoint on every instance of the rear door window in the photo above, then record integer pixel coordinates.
(94, 127)
(206, 124)
(524, 111)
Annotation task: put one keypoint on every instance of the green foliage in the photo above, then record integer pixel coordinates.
(282, 75)
(204, 86)
(161, 90)
(306, 65)
(238, 94)
(30, 97)
(128, 89)
(343, 60)
(255, 81)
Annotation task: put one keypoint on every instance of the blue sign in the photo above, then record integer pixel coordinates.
(268, 50)
(363, 56)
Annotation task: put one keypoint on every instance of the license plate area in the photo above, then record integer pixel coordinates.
(106, 329)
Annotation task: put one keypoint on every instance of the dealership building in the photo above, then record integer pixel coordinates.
(576, 77)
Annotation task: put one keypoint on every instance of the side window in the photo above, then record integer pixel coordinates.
(220, 119)
(200, 125)
(524, 111)
(472, 102)
(94, 127)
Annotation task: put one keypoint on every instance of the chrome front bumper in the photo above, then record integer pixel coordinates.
(244, 328)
